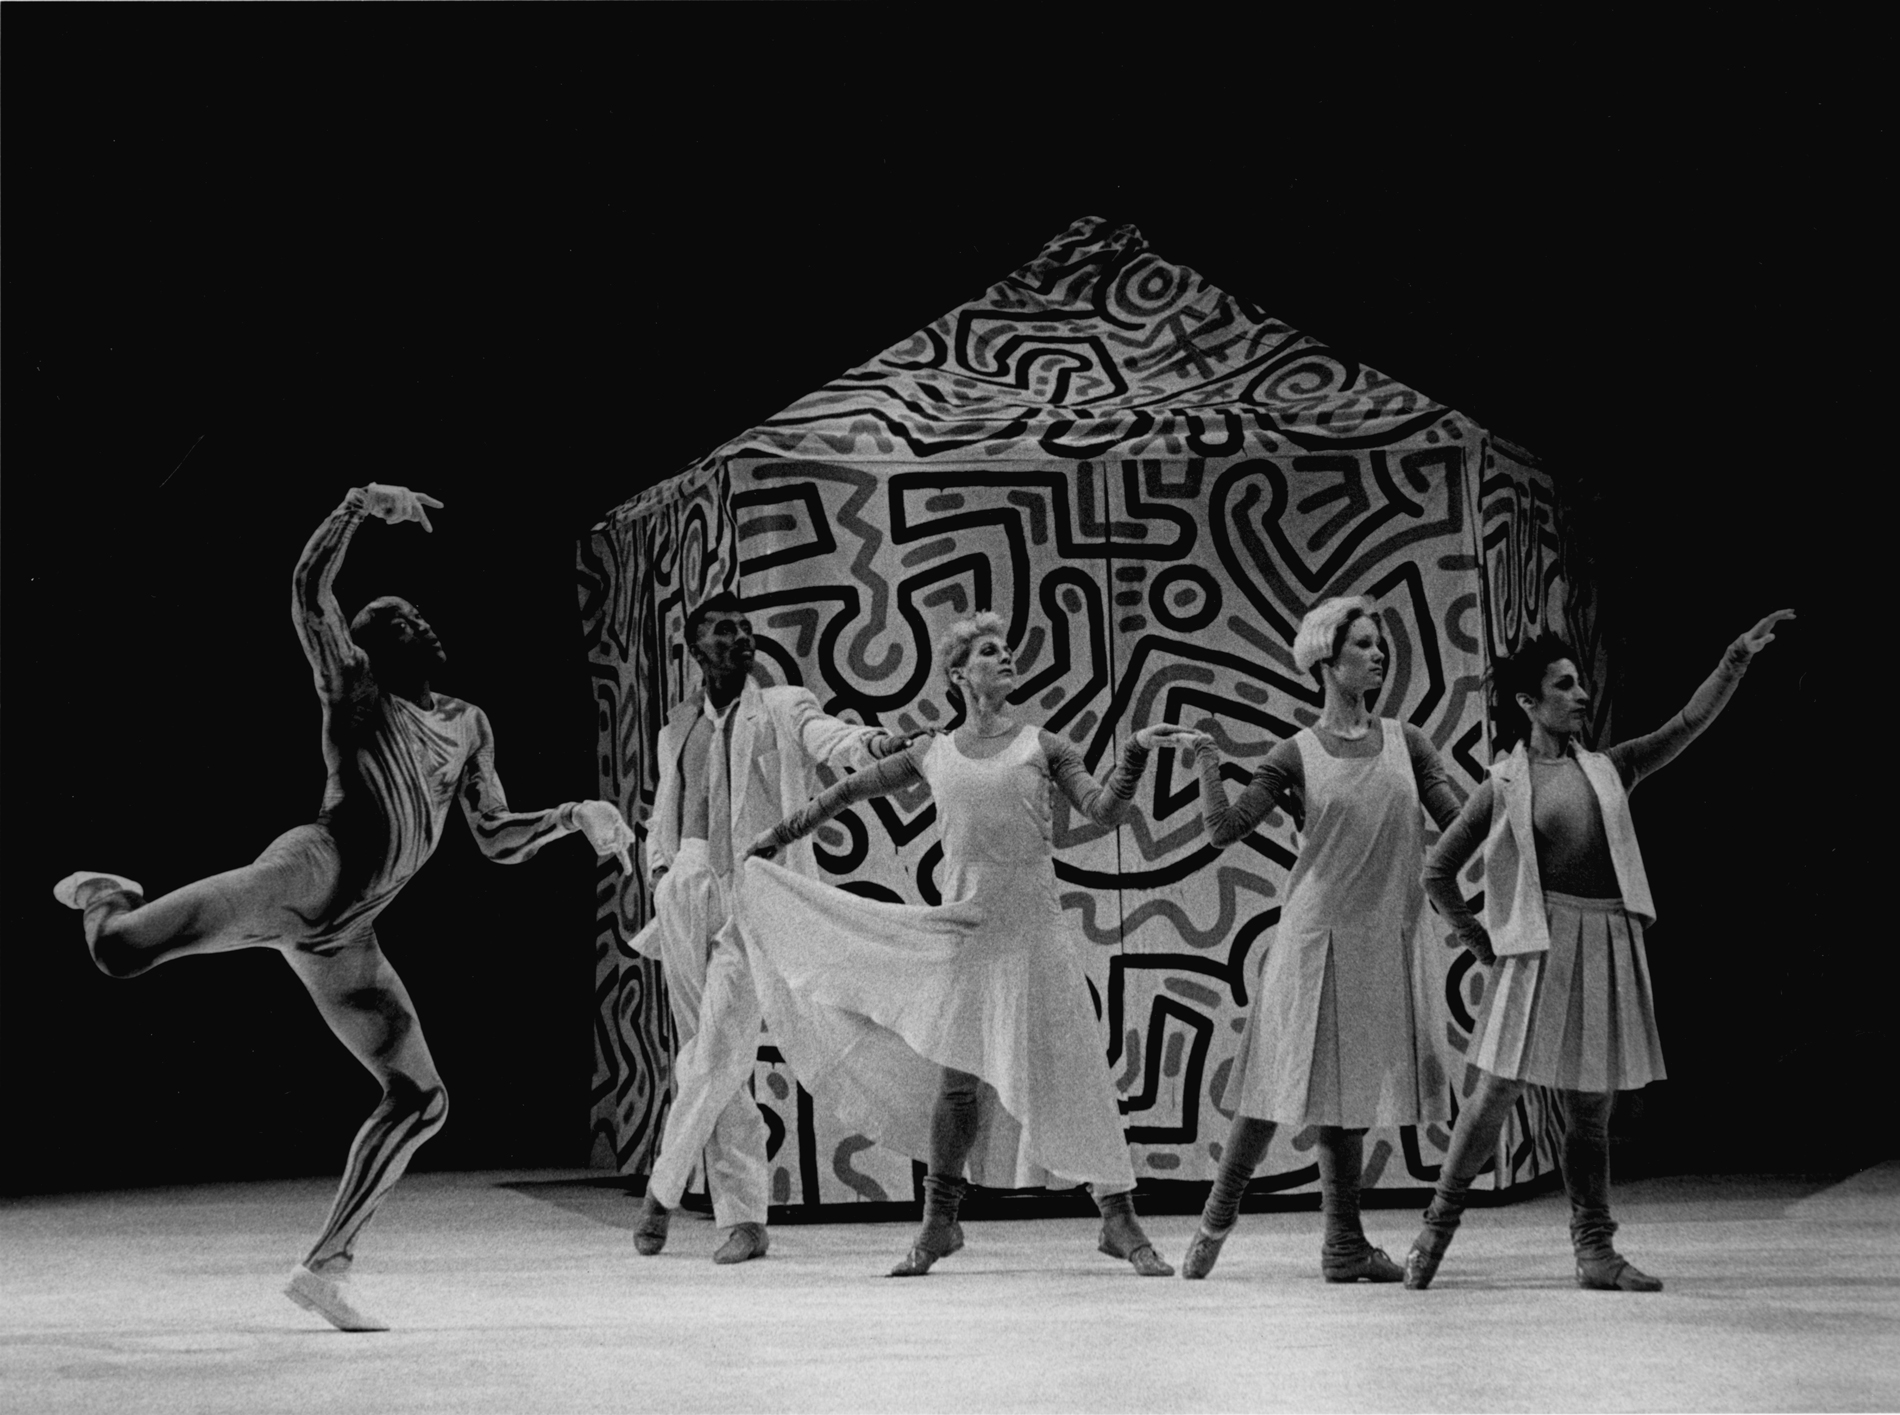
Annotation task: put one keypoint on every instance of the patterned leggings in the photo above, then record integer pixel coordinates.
(270, 904)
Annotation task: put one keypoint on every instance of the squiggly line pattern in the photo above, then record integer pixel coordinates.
(1044, 452)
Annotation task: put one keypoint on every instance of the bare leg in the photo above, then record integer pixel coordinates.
(268, 903)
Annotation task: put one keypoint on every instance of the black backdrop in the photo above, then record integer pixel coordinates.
(529, 260)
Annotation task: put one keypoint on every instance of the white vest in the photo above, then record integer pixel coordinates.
(1513, 894)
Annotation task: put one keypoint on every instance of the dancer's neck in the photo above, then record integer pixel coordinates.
(1550, 746)
(1345, 713)
(721, 691)
(990, 719)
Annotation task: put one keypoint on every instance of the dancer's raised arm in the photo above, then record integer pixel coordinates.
(1640, 756)
(321, 627)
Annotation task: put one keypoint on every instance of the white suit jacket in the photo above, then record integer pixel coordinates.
(778, 738)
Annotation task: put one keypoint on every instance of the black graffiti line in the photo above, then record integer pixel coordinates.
(1407, 573)
(1154, 644)
(1057, 484)
(1201, 1030)
(806, 495)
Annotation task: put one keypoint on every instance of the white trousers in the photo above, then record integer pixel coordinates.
(716, 1019)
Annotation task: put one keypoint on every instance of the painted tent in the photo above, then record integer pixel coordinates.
(1152, 481)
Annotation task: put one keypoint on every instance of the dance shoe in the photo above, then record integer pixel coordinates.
(1615, 1274)
(1123, 1238)
(1203, 1251)
(69, 891)
(649, 1234)
(1368, 1265)
(1421, 1264)
(745, 1241)
(322, 1293)
(933, 1241)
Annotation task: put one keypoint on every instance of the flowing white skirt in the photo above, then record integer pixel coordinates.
(869, 1001)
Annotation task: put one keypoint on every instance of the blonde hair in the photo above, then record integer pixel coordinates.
(953, 649)
(1323, 630)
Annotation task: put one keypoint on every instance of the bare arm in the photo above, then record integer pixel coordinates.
(1435, 791)
(1278, 781)
(1461, 840)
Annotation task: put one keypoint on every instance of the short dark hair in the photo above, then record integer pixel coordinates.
(1521, 672)
(370, 628)
(725, 600)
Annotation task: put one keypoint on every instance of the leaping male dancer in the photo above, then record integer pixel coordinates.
(398, 752)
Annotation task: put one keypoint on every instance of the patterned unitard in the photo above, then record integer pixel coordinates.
(394, 765)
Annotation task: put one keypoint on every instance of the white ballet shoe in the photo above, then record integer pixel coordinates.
(323, 1294)
(67, 890)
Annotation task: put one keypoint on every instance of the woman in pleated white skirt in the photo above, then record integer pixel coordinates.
(1567, 1001)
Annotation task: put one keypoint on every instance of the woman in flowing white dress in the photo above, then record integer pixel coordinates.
(960, 1034)
(1335, 1039)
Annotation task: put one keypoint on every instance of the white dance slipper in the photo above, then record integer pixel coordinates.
(322, 1294)
(67, 890)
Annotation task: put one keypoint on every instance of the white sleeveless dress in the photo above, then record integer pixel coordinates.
(1334, 1037)
(870, 1000)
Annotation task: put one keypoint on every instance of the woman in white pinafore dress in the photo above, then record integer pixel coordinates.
(960, 1034)
(1335, 1038)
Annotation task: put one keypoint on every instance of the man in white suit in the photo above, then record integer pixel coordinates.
(735, 759)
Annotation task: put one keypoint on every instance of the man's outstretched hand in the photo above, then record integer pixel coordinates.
(399, 503)
(606, 830)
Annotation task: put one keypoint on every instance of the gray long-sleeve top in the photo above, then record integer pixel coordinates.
(1281, 781)
(1573, 853)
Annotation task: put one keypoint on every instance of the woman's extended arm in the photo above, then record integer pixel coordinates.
(890, 774)
(1106, 802)
(1277, 782)
(1640, 756)
(1461, 840)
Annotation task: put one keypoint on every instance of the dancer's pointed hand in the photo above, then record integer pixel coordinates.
(764, 848)
(399, 503)
(1759, 637)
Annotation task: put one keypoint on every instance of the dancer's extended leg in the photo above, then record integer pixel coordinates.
(1346, 1255)
(1246, 1145)
(953, 1127)
(1587, 1180)
(1474, 1139)
(271, 902)
(368, 1008)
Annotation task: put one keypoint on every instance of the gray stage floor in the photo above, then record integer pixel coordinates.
(521, 1292)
